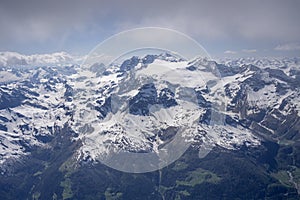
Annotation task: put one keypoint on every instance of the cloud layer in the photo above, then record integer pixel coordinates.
(74, 23)
(15, 59)
(288, 47)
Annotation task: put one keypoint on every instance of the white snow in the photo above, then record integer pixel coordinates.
(121, 127)
(9, 147)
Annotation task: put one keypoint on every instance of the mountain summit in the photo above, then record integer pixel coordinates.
(169, 111)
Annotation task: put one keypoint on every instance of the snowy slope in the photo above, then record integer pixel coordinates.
(140, 104)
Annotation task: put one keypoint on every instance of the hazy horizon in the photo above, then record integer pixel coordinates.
(235, 29)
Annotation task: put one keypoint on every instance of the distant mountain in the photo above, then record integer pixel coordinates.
(14, 59)
(60, 121)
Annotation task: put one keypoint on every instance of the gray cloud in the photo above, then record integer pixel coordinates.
(43, 22)
(288, 47)
(230, 52)
(249, 50)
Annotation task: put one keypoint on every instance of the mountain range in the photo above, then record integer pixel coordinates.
(60, 123)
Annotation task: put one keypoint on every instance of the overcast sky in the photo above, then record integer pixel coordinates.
(223, 27)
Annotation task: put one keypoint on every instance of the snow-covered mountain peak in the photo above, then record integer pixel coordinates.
(141, 103)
